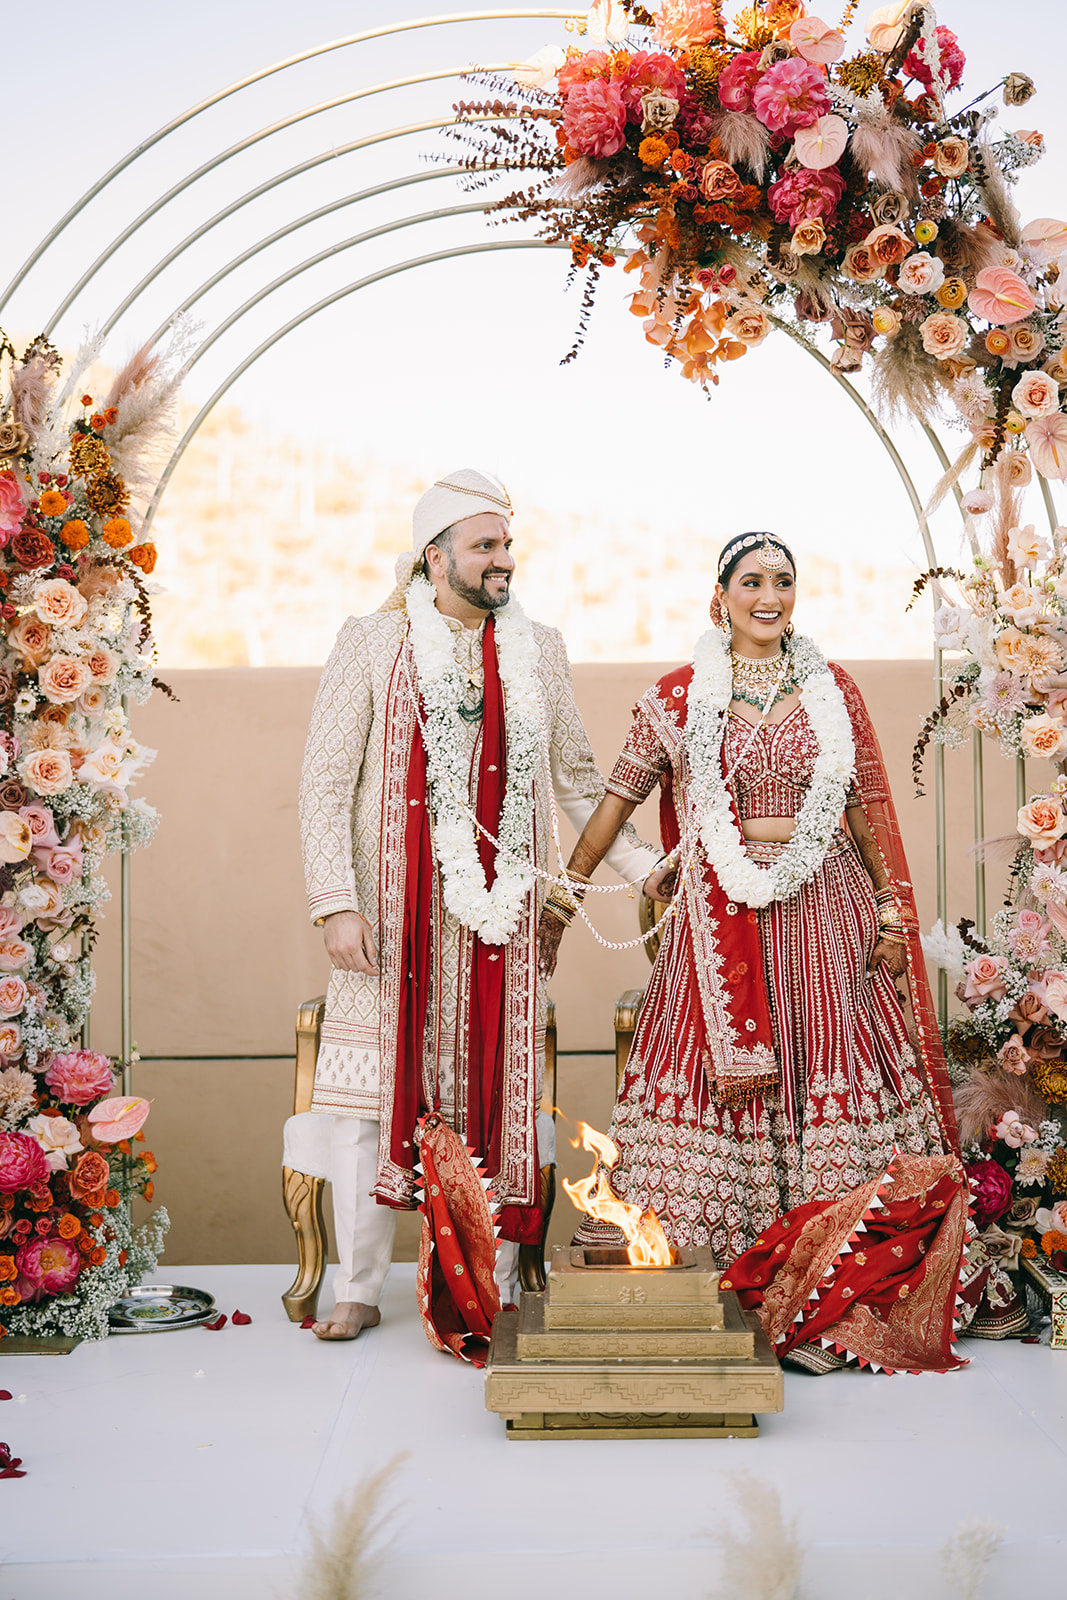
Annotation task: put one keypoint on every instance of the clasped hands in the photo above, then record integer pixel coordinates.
(659, 885)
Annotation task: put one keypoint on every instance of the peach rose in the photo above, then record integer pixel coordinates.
(1056, 366)
(59, 604)
(951, 157)
(750, 327)
(32, 638)
(1043, 821)
(51, 903)
(1013, 1055)
(1035, 395)
(12, 996)
(1008, 650)
(860, 265)
(63, 678)
(1018, 470)
(1024, 605)
(888, 246)
(1044, 736)
(48, 771)
(808, 237)
(943, 334)
(921, 273)
(1026, 343)
(93, 703)
(14, 954)
(719, 181)
(985, 978)
(10, 1040)
(103, 663)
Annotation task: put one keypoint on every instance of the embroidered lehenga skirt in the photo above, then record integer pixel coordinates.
(850, 1091)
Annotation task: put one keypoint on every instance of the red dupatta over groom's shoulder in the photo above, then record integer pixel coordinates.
(495, 1085)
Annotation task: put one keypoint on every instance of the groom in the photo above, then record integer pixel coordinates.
(424, 721)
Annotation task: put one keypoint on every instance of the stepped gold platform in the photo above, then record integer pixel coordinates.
(610, 1350)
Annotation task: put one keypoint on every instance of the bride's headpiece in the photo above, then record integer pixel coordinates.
(771, 553)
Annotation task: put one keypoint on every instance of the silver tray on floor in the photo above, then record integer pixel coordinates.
(158, 1307)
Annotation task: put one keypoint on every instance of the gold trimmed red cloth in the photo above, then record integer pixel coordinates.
(456, 1287)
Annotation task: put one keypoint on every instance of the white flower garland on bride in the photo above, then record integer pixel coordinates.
(493, 914)
(709, 699)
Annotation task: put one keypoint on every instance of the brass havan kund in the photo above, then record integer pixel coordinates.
(610, 1350)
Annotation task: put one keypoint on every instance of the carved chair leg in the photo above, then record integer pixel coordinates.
(303, 1204)
(532, 1256)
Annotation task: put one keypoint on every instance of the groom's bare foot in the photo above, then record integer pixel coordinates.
(347, 1321)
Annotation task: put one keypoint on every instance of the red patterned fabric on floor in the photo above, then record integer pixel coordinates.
(457, 1292)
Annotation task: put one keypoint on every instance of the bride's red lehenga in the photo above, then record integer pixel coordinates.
(842, 1129)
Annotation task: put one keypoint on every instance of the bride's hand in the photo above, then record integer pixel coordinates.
(550, 931)
(661, 883)
(891, 955)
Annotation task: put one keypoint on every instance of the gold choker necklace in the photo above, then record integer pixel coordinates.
(755, 677)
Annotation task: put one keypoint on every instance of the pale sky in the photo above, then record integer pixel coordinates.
(456, 362)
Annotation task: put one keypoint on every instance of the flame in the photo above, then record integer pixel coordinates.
(648, 1244)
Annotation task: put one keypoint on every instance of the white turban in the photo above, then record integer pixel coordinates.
(460, 494)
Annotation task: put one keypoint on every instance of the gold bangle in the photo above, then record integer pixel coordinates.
(558, 914)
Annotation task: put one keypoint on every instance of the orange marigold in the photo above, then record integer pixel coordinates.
(74, 534)
(117, 533)
(1028, 1249)
(9, 1297)
(52, 503)
(68, 1226)
(1053, 1240)
(143, 556)
(8, 1270)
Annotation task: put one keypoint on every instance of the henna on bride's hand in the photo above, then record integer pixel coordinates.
(549, 933)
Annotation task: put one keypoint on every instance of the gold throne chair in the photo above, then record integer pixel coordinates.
(302, 1190)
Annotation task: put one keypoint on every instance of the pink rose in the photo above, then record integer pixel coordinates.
(48, 771)
(1029, 1011)
(63, 863)
(594, 120)
(738, 81)
(801, 194)
(651, 70)
(1058, 1216)
(22, 1163)
(32, 638)
(790, 95)
(1035, 395)
(12, 508)
(79, 1077)
(990, 1189)
(43, 824)
(1013, 1055)
(952, 63)
(985, 978)
(10, 921)
(14, 953)
(10, 1041)
(12, 996)
(63, 678)
(46, 1266)
(921, 273)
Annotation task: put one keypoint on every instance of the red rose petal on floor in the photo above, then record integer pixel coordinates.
(219, 1322)
(241, 1319)
(9, 1472)
(308, 1322)
(5, 1394)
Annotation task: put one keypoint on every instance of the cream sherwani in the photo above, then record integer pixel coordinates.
(341, 809)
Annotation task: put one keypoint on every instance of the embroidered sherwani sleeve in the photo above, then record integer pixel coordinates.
(333, 756)
(575, 776)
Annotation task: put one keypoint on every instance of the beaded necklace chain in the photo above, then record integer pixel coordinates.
(754, 677)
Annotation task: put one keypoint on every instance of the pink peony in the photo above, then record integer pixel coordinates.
(953, 62)
(802, 194)
(46, 1266)
(651, 71)
(12, 508)
(738, 81)
(991, 1190)
(79, 1077)
(791, 95)
(22, 1163)
(595, 119)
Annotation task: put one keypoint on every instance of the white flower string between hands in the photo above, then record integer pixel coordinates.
(494, 913)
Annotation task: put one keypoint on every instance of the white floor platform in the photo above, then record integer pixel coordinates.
(190, 1463)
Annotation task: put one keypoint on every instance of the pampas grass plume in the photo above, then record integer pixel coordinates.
(885, 152)
(743, 141)
(343, 1558)
(982, 1099)
(966, 1556)
(764, 1563)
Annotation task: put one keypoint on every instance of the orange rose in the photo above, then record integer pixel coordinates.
(719, 181)
(68, 1226)
(143, 556)
(8, 1270)
(887, 245)
(9, 1297)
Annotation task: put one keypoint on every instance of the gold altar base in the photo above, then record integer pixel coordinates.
(614, 1351)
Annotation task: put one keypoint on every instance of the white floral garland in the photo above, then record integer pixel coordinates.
(493, 914)
(709, 699)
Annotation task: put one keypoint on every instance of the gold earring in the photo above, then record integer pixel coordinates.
(788, 631)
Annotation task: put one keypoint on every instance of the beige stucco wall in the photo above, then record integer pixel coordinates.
(223, 951)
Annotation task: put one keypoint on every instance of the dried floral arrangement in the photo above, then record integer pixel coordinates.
(75, 650)
(755, 176)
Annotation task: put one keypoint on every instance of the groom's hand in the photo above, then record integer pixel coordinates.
(350, 945)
